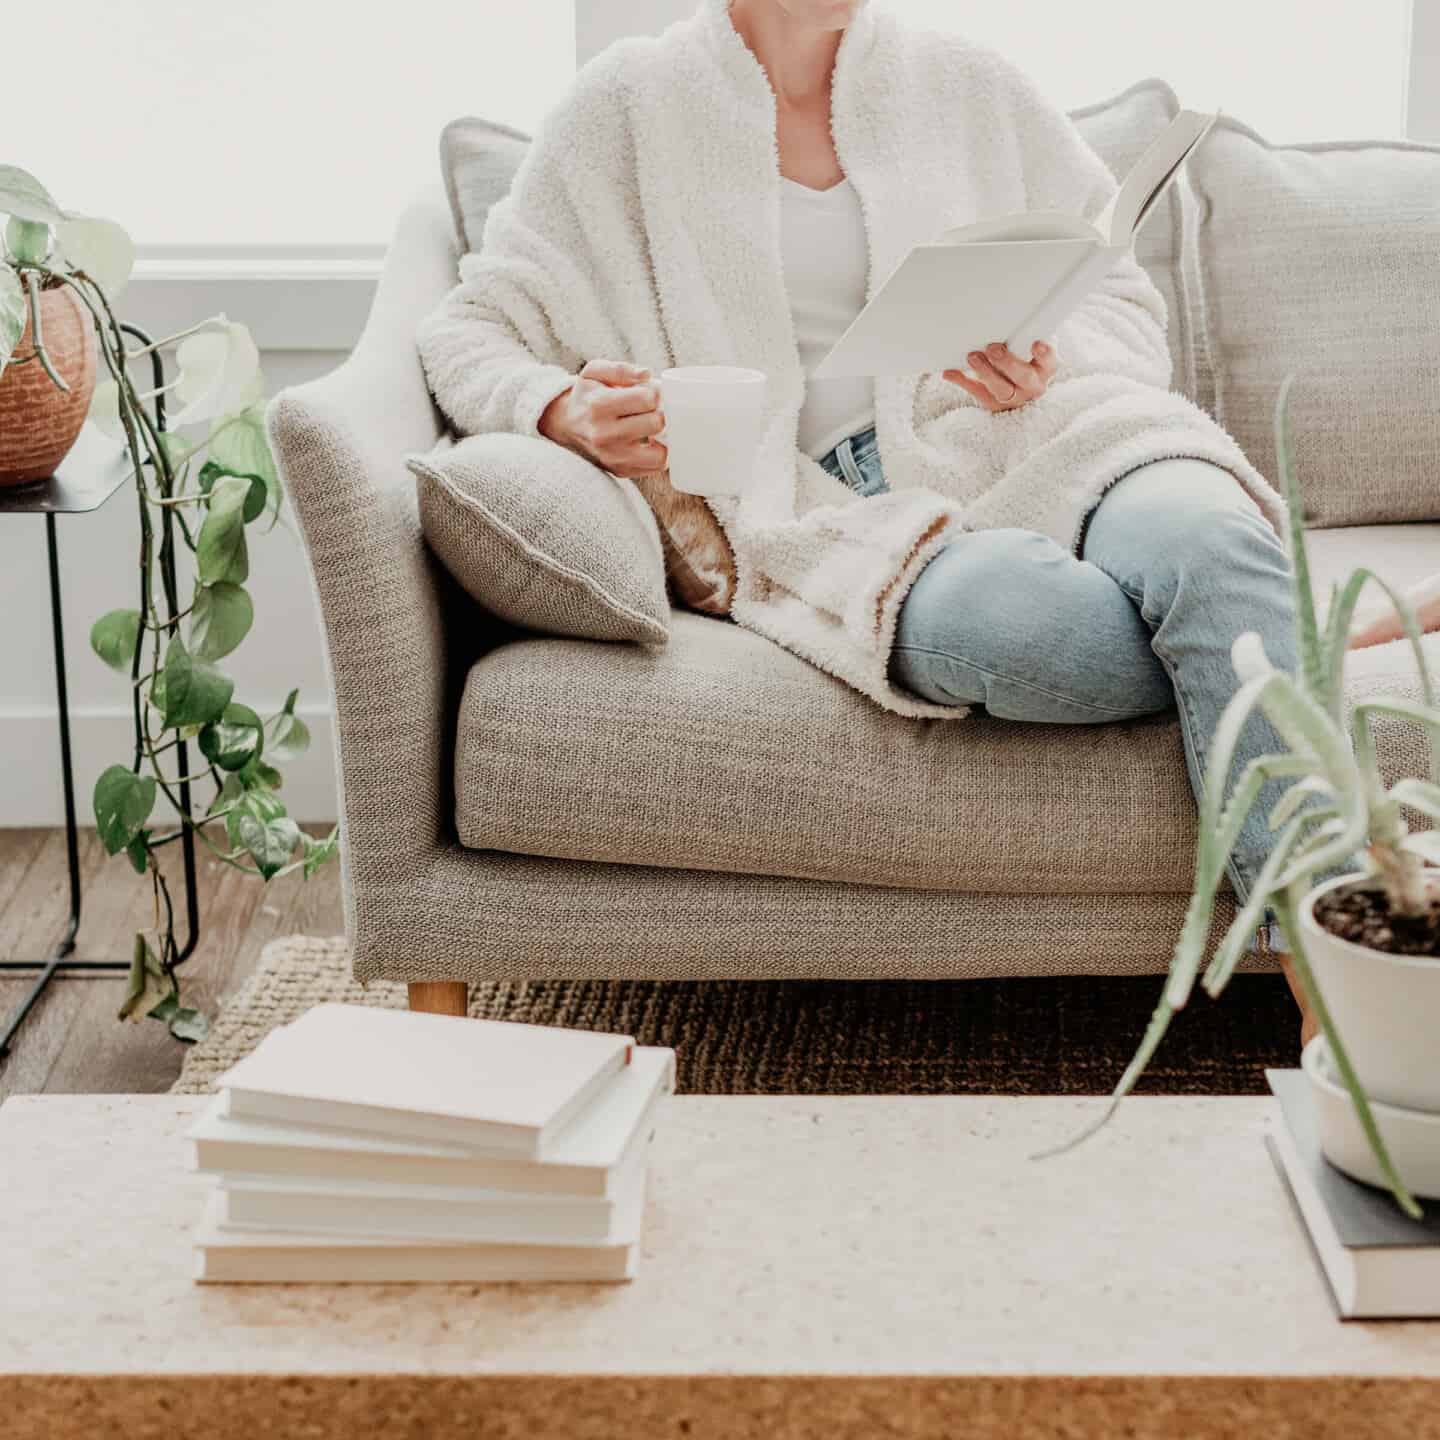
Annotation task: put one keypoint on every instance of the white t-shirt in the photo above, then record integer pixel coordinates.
(823, 244)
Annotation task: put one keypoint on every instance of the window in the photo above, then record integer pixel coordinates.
(292, 124)
(1294, 70)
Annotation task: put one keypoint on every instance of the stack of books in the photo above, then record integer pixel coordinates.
(1379, 1263)
(361, 1144)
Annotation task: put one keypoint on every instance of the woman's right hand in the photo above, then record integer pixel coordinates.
(611, 415)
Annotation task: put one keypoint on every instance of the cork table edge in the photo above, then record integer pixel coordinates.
(779, 1407)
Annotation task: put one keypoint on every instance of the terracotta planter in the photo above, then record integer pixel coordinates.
(39, 422)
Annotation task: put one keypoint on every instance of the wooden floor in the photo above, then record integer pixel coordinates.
(72, 1043)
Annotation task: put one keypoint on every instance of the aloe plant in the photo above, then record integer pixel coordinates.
(178, 692)
(1337, 805)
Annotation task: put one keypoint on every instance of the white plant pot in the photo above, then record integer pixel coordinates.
(1386, 1007)
(1411, 1136)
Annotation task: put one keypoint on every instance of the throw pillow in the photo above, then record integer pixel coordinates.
(1321, 259)
(541, 537)
(478, 159)
(1119, 130)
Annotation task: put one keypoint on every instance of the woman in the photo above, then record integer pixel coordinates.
(1055, 537)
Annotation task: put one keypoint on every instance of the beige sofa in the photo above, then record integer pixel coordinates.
(716, 807)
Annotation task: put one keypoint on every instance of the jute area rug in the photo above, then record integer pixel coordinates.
(1054, 1036)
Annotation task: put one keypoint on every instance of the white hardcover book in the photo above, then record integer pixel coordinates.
(583, 1161)
(256, 1257)
(401, 1213)
(484, 1084)
(1012, 278)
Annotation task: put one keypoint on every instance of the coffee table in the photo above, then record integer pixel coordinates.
(873, 1267)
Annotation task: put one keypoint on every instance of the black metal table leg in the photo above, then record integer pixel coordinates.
(59, 959)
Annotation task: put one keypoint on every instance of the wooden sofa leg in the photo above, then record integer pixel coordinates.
(439, 997)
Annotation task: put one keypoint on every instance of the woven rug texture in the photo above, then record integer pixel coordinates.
(1067, 1035)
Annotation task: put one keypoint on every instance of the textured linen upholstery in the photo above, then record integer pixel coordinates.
(723, 752)
(402, 641)
(541, 537)
(478, 160)
(1323, 259)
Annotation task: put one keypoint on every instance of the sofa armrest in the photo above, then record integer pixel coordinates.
(339, 442)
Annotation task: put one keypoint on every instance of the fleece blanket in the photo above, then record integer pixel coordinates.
(643, 224)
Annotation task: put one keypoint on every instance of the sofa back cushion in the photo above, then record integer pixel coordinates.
(1324, 259)
(479, 158)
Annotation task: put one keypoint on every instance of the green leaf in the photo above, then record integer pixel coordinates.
(139, 855)
(220, 619)
(317, 852)
(219, 372)
(190, 1026)
(243, 449)
(211, 471)
(229, 792)
(104, 412)
(1307, 634)
(196, 693)
(28, 240)
(23, 195)
(286, 734)
(113, 638)
(147, 986)
(270, 842)
(12, 314)
(234, 740)
(220, 547)
(101, 248)
(257, 804)
(123, 802)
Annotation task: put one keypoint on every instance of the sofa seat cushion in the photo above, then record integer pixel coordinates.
(721, 751)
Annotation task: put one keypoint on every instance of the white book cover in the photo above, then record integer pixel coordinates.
(583, 1160)
(488, 1084)
(1013, 278)
(367, 1211)
(255, 1257)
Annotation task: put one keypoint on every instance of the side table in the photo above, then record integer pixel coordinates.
(90, 474)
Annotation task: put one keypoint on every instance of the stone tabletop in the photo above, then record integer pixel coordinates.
(854, 1239)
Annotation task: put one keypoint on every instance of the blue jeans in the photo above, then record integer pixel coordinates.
(1175, 561)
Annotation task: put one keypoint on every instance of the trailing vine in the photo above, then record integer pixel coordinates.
(179, 693)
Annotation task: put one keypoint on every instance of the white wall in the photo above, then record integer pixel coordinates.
(97, 573)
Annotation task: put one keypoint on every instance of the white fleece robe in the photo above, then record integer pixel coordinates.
(643, 224)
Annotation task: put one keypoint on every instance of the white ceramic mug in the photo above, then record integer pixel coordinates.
(713, 416)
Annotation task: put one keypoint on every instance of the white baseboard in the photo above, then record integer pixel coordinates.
(100, 736)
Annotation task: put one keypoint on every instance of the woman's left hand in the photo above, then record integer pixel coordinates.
(1005, 382)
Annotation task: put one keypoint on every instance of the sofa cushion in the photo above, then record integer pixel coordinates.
(1118, 130)
(1322, 259)
(478, 160)
(541, 537)
(724, 752)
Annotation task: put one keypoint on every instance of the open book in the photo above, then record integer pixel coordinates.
(1015, 278)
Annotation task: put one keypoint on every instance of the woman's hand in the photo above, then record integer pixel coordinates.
(1005, 382)
(610, 415)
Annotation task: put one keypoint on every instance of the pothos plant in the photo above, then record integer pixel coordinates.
(169, 652)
